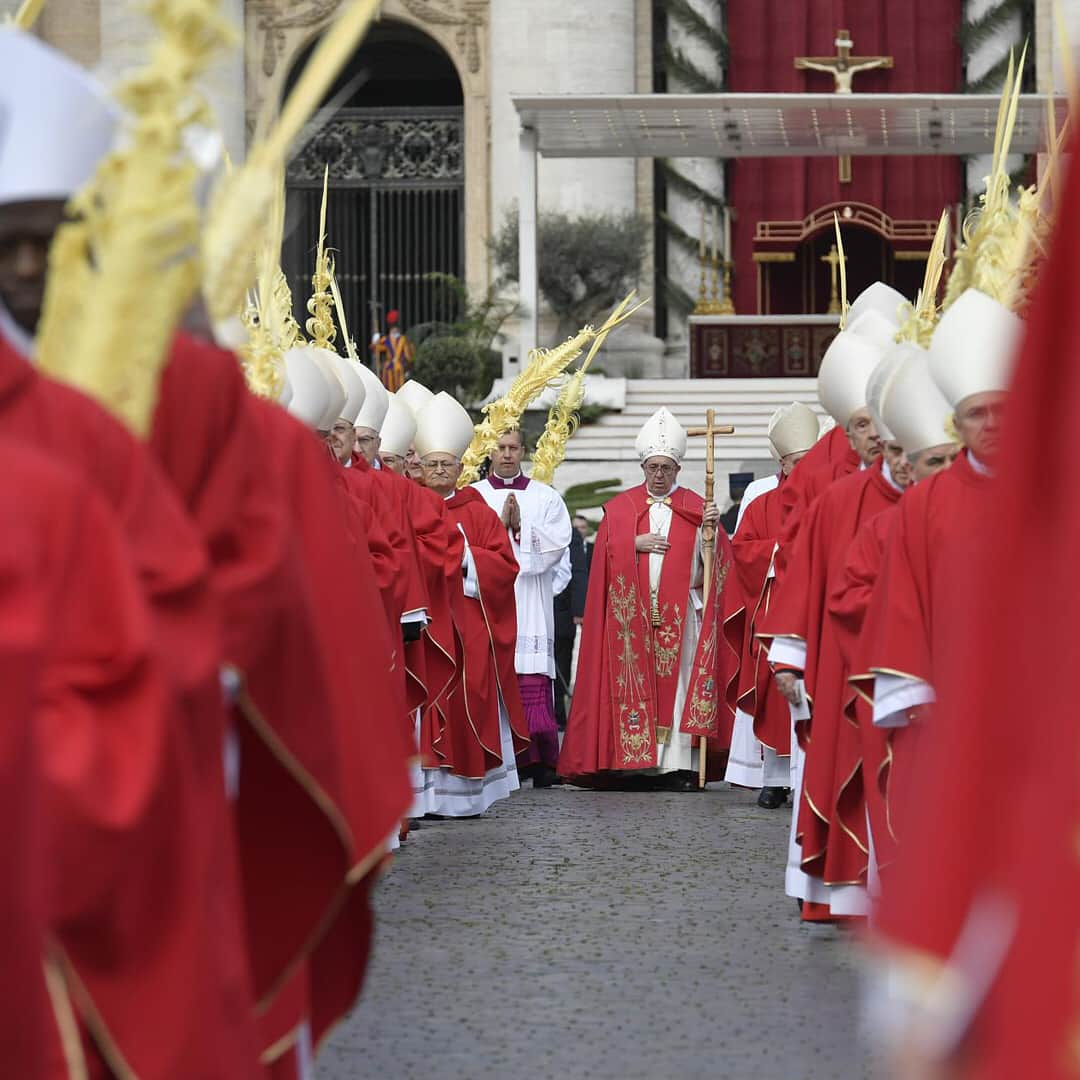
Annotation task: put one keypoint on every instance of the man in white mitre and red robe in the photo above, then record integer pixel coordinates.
(538, 525)
(473, 736)
(761, 740)
(827, 867)
(654, 662)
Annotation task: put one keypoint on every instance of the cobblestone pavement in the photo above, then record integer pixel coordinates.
(601, 935)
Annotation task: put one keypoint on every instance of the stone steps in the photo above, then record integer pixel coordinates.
(746, 404)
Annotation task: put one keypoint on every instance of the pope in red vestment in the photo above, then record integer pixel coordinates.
(651, 682)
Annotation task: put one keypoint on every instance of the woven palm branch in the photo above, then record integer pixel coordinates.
(922, 316)
(545, 367)
(124, 270)
(563, 418)
(986, 260)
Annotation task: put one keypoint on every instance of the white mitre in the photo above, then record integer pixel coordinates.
(310, 400)
(915, 410)
(890, 363)
(443, 427)
(875, 328)
(326, 362)
(355, 391)
(56, 121)
(882, 299)
(661, 436)
(377, 401)
(974, 347)
(414, 396)
(398, 428)
(792, 429)
(845, 370)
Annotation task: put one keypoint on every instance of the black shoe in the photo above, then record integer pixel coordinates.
(545, 777)
(772, 798)
(683, 782)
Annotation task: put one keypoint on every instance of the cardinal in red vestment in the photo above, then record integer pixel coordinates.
(148, 951)
(915, 415)
(979, 927)
(655, 663)
(761, 739)
(827, 866)
(477, 733)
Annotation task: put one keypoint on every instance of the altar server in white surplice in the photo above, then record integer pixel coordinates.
(538, 524)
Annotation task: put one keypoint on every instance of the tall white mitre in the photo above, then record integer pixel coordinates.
(882, 299)
(41, 91)
(792, 429)
(326, 362)
(414, 396)
(974, 347)
(398, 428)
(915, 410)
(355, 390)
(377, 401)
(890, 363)
(845, 370)
(661, 436)
(443, 426)
(310, 392)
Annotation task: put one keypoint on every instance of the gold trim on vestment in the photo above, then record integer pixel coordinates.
(839, 817)
(278, 1049)
(67, 1025)
(95, 1024)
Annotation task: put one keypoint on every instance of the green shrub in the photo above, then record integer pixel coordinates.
(457, 365)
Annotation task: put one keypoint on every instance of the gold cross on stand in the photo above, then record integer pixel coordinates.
(843, 67)
(708, 532)
(834, 259)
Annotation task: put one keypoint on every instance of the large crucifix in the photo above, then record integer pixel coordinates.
(843, 67)
(708, 532)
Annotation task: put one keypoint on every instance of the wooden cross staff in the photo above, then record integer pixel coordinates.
(708, 532)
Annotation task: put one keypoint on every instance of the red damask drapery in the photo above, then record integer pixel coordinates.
(765, 36)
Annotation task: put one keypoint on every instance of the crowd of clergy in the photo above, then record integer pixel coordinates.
(246, 641)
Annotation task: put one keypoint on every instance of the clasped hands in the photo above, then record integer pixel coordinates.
(655, 544)
(511, 516)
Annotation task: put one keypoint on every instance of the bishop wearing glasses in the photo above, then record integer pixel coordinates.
(654, 663)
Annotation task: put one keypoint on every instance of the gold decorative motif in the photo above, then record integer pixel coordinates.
(635, 723)
(668, 643)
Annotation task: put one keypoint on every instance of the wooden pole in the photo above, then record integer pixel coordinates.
(708, 534)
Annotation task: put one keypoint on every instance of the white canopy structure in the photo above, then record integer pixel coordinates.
(752, 125)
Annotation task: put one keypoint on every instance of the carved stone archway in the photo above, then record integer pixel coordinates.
(277, 32)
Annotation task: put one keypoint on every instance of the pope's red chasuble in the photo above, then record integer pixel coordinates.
(632, 641)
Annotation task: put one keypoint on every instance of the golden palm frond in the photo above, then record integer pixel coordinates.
(563, 417)
(544, 368)
(125, 268)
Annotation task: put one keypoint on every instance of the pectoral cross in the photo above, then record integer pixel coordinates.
(843, 67)
(708, 532)
(834, 259)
